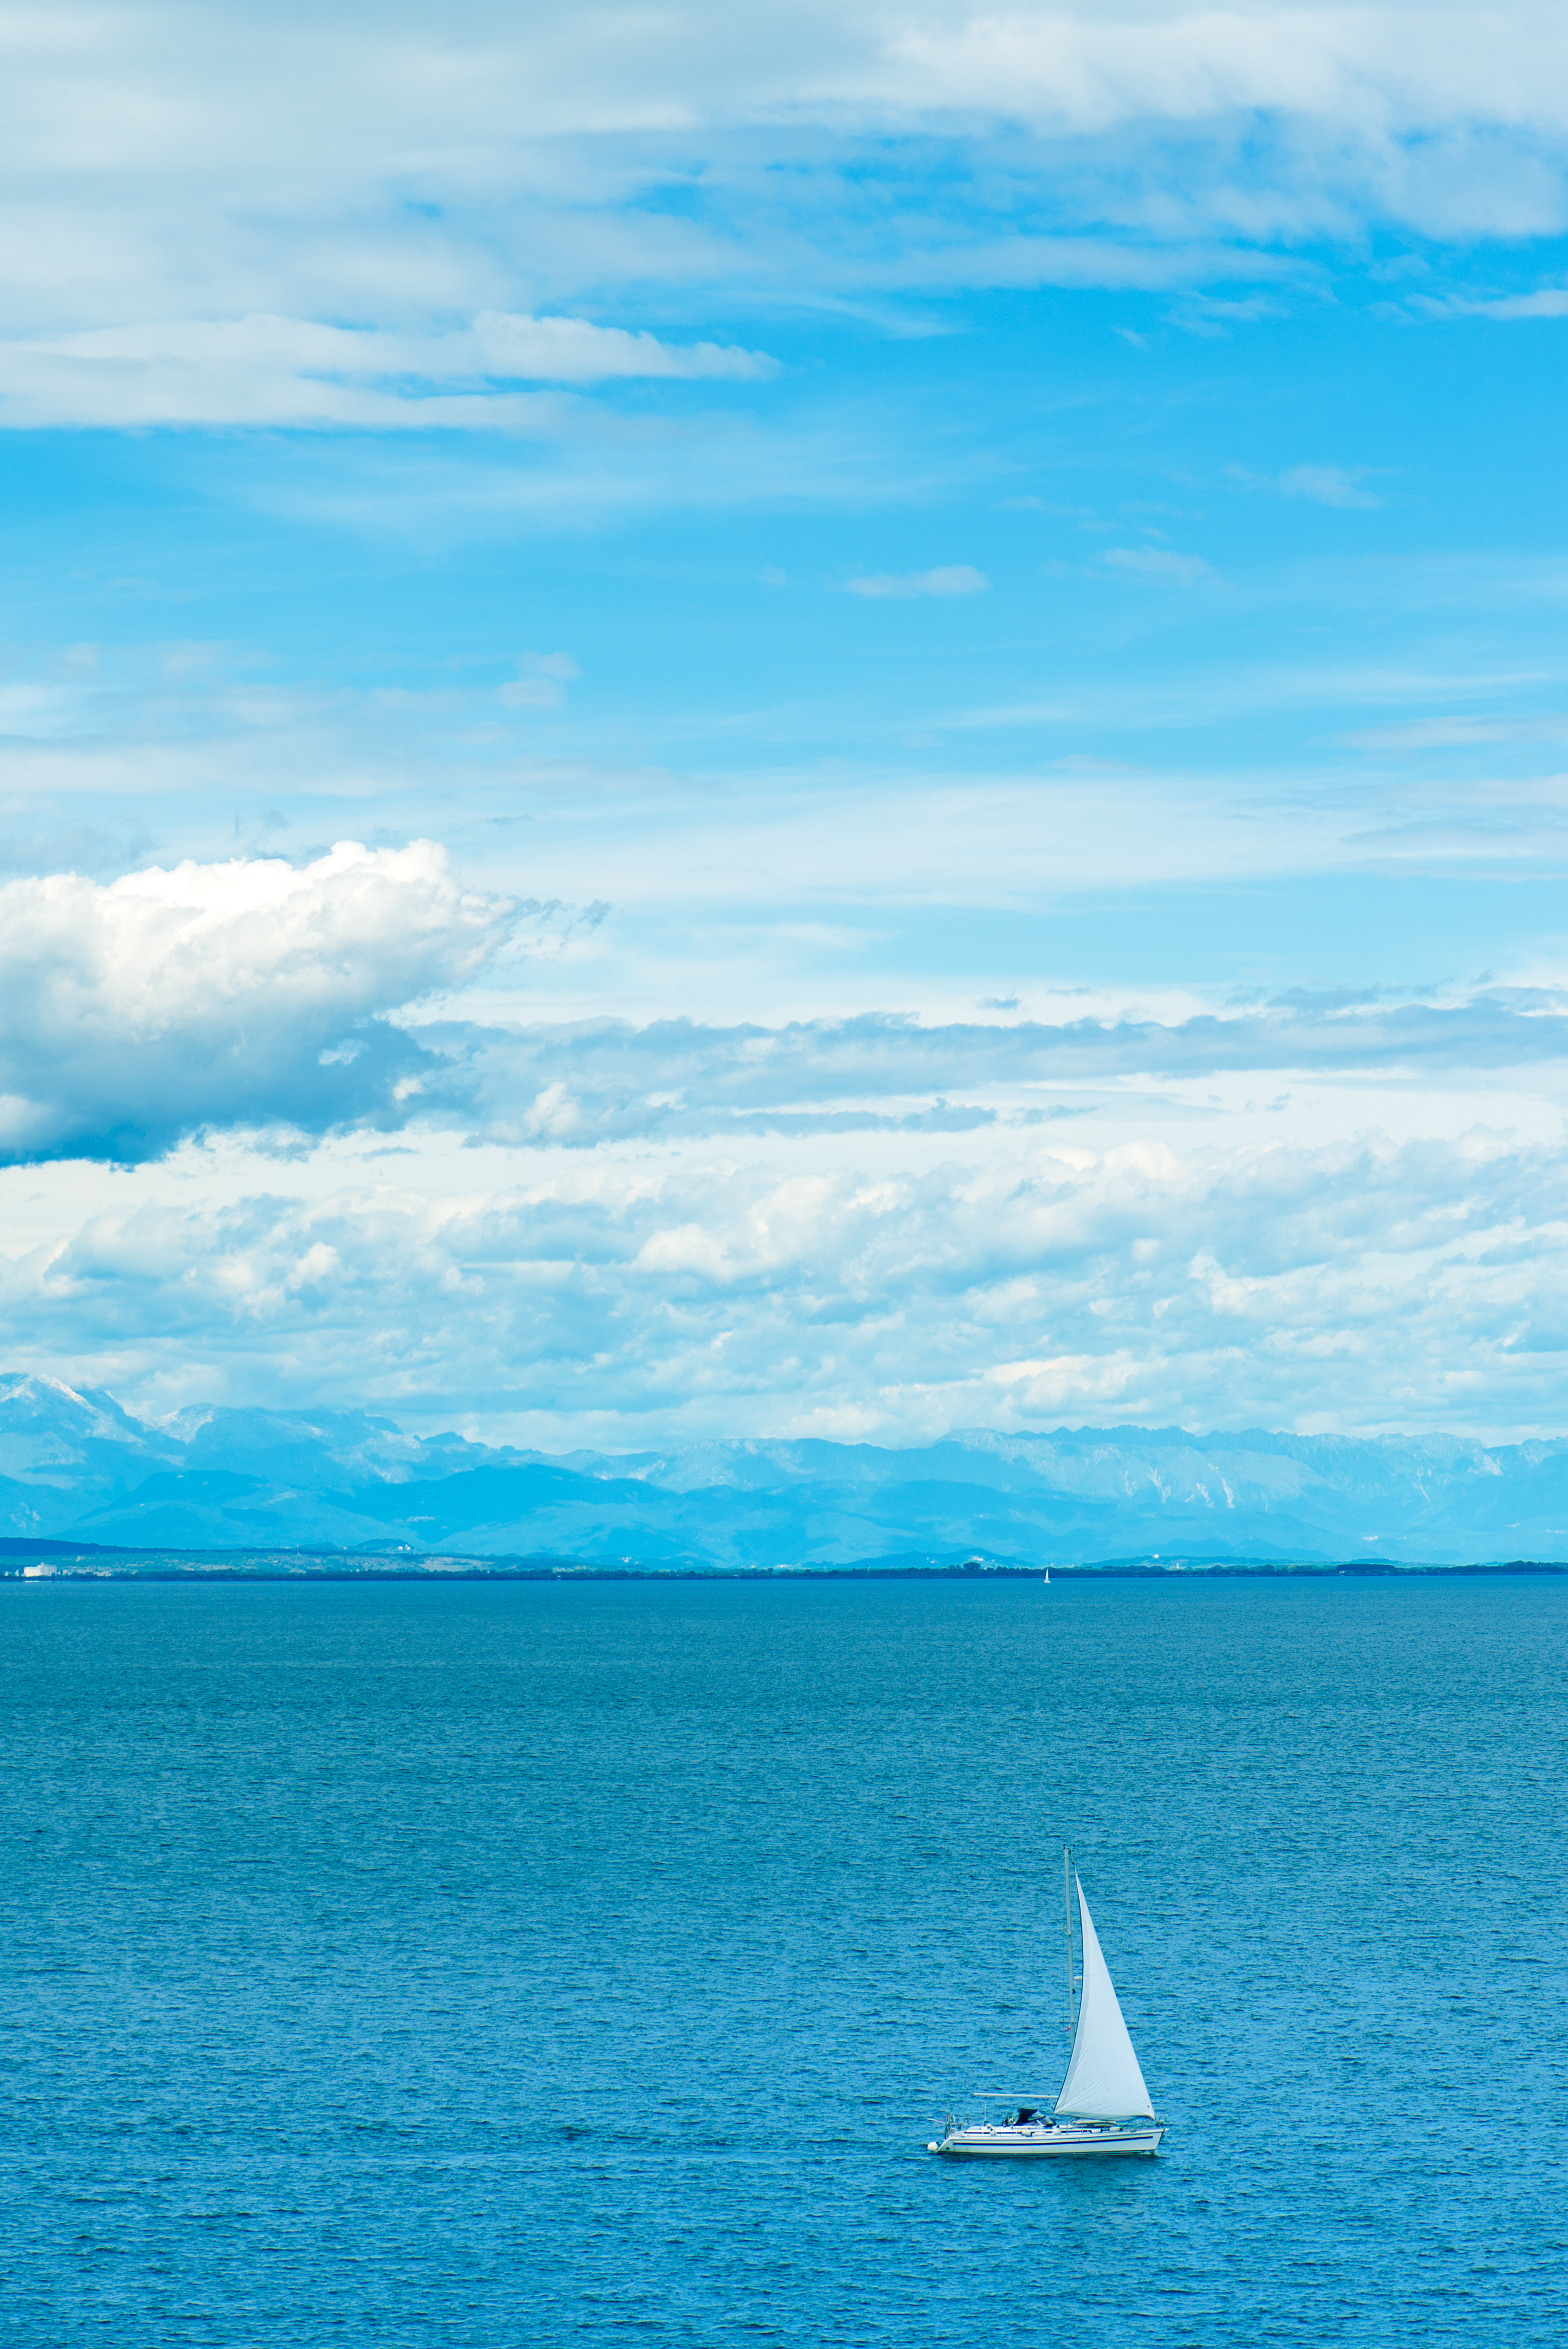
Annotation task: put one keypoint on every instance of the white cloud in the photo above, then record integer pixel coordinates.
(1120, 263)
(211, 166)
(540, 683)
(1089, 67)
(306, 93)
(1327, 485)
(593, 1084)
(250, 992)
(638, 1295)
(1160, 565)
(1453, 734)
(1324, 485)
(1550, 302)
(291, 371)
(952, 579)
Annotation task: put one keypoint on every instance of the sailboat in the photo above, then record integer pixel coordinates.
(1103, 2105)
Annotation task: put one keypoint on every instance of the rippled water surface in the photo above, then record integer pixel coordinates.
(513, 1963)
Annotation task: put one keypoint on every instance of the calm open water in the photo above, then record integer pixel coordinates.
(491, 1964)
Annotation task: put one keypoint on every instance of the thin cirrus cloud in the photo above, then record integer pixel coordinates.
(540, 683)
(248, 993)
(1547, 302)
(948, 579)
(1323, 485)
(291, 371)
(1070, 65)
(1159, 566)
(218, 133)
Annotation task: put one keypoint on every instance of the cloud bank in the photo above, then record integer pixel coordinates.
(584, 1084)
(602, 1231)
(622, 1300)
(251, 992)
(255, 994)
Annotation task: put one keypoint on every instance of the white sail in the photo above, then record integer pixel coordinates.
(1104, 2082)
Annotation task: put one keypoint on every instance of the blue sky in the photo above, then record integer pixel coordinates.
(970, 608)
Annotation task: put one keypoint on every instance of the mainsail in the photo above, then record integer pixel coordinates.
(1104, 2082)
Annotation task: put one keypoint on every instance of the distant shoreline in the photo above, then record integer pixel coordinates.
(65, 1561)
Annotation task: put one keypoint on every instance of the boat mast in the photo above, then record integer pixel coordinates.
(1068, 1926)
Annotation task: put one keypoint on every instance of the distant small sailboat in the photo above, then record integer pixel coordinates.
(1103, 2105)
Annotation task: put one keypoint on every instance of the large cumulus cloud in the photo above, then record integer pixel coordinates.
(251, 992)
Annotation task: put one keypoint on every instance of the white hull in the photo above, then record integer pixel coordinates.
(1011, 2142)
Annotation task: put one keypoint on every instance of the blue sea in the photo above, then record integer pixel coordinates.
(496, 1963)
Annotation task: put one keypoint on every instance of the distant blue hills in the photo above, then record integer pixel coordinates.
(74, 1467)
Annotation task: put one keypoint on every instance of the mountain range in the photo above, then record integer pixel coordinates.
(76, 1466)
